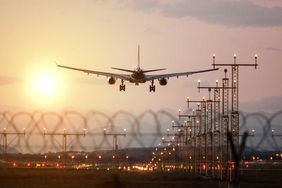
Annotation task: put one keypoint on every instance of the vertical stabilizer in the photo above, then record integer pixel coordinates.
(138, 57)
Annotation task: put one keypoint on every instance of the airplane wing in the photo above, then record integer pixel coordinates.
(98, 73)
(167, 76)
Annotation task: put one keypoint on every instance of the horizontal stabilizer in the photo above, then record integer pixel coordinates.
(154, 70)
(126, 70)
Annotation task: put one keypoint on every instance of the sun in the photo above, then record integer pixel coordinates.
(44, 85)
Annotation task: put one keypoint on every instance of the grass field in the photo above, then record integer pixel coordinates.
(43, 178)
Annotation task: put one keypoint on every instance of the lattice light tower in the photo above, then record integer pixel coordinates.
(235, 93)
(64, 134)
(218, 125)
(190, 140)
(200, 138)
(115, 144)
(5, 135)
(234, 123)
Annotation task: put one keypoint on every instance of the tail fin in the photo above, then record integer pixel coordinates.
(138, 57)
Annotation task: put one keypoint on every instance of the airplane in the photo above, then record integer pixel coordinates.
(138, 75)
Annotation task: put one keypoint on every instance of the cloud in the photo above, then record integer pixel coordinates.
(230, 13)
(273, 49)
(8, 80)
(269, 104)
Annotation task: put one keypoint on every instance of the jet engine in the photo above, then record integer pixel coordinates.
(112, 81)
(163, 82)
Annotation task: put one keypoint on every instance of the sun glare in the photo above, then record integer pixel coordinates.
(43, 85)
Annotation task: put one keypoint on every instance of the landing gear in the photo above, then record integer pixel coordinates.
(122, 86)
(152, 86)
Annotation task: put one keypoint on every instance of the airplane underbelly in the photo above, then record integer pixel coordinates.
(136, 80)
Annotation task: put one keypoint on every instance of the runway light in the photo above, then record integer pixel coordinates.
(232, 165)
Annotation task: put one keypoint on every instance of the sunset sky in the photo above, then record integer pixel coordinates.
(180, 35)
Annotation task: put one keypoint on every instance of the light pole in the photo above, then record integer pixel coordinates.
(64, 134)
(115, 144)
(5, 140)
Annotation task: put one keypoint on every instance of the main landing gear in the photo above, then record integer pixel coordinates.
(152, 86)
(122, 86)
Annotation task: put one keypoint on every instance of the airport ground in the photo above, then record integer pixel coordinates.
(83, 178)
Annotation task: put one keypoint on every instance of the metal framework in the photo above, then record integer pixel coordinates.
(64, 134)
(115, 145)
(206, 127)
(5, 140)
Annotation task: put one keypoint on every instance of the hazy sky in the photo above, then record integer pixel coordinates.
(180, 35)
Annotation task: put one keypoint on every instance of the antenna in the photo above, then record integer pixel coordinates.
(138, 58)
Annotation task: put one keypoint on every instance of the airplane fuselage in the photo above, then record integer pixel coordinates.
(138, 76)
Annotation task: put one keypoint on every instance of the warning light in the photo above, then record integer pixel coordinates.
(232, 165)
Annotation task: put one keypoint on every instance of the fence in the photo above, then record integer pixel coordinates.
(143, 130)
